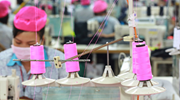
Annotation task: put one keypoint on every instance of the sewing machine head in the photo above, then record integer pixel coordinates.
(9, 86)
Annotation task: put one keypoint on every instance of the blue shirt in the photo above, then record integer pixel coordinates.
(84, 14)
(6, 35)
(109, 25)
(7, 63)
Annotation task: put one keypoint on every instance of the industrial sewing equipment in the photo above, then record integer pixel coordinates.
(139, 79)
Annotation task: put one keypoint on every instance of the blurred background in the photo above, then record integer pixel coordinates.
(155, 20)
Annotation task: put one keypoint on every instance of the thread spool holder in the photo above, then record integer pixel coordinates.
(38, 80)
(134, 82)
(108, 76)
(74, 79)
(145, 88)
(80, 60)
(129, 75)
(73, 75)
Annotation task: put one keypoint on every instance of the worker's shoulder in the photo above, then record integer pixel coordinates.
(6, 54)
(113, 18)
(5, 28)
(53, 52)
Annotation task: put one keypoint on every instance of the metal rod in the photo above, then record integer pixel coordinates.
(107, 54)
(95, 49)
(80, 60)
(131, 32)
(70, 59)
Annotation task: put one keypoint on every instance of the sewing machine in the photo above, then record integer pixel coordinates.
(142, 11)
(9, 86)
(150, 21)
(153, 35)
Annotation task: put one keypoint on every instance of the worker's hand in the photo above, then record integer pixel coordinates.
(90, 35)
(104, 35)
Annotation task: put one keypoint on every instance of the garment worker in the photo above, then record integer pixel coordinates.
(27, 22)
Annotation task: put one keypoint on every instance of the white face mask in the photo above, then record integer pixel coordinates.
(21, 52)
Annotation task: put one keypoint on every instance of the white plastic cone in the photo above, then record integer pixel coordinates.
(107, 78)
(38, 80)
(145, 88)
(73, 79)
(133, 82)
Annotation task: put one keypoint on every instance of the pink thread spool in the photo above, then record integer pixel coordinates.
(134, 57)
(70, 50)
(37, 53)
(144, 66)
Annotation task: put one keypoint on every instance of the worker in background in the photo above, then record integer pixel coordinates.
(5, 31)
(11, 15)
(108, 32)
(74, 2)
(84, 14)
(100, 11)
(7, 3)
(162, 3)
(27, 22)
(74, 6)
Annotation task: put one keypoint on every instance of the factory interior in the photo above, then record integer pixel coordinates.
(89, 50)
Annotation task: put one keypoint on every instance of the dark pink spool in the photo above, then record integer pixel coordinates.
(70, 50)
(134, 57)
(144, 65)
(37, 53)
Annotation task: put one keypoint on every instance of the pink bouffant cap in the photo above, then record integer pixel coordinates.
(48, 6)
(72, 1)
(6, 2)
(3, 10)
(85, 2)
(30, 19)
(100, 6)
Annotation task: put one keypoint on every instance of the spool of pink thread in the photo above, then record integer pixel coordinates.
(134, 57)
(37, 53)
(144, 65)
(70, 50)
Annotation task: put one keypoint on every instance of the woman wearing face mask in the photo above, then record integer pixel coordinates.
(100, 11)
(27, 22)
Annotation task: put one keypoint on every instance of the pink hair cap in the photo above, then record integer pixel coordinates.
(85, 2)
(30, 19)
(100, 6)
(72, 1)
(48, 6)
(6, 2)
(3, 10)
